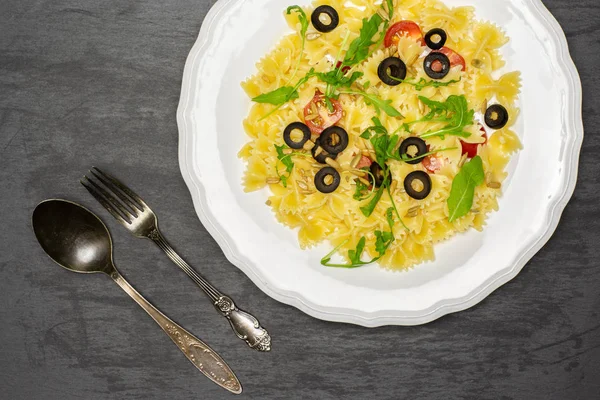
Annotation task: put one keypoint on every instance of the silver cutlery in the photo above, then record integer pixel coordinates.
(134, 214)
(77, 240)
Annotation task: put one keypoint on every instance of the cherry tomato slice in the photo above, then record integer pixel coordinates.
(471, 148)
(433, 163)
(454, 57)
(325, 118)
(403, 28)
(364, 162)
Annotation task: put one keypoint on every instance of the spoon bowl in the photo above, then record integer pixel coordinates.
(74, 237)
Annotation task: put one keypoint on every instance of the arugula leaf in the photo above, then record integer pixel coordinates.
(461, 196)
(378, 103)
(278, 96)
(455, 112)
(359, 48)
(423, 83)
(390, 8)
(389, 215)
(404, 157)
(336, 79)
(287, 162)
(383, 241)
(354, 255)
(370, 207)
(377, 129)
(383, 143)
(303, 29)
(284, 94)
(359, 191)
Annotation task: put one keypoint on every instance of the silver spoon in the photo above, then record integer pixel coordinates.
(76, 239)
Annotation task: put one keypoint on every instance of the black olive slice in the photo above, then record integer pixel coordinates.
(334, 19)
(439, 44)
(410, 142)
(334, 140)
(421, 176)
(327, 180)
(287, 135)
(436, 65)
(390, 70)
(323, 154)
(377, 173)
(496, 116)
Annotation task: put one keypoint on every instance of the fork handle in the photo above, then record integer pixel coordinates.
(244, 325)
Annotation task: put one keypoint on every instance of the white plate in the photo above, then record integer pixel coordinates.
(236, 33)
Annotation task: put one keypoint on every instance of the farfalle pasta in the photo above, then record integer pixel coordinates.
(382, 127)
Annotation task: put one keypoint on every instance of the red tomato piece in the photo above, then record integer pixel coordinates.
(345, 69)
(433, 163)
(471, 149)
(364, 162)
(403, 28)
(325, 119)
(454, 57)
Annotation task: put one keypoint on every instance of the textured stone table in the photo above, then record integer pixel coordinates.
(97, 83)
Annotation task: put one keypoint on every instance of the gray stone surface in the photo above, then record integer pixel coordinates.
(97, 83)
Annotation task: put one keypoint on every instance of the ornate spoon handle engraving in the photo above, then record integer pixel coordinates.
(198, 352)
(245, 326)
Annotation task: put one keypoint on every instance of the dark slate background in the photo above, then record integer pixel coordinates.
(97, 83)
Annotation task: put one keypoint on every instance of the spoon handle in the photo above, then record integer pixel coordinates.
(198, 352)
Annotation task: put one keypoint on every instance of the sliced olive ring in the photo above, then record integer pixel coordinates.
(407, 144)
(425, 180)
(334, 140)
(392, 71)
(434, 59)
(323, 154)
(321, 180)
(377, 173)
(287, 135)
(496, 116)
(439, 44)
(334, 18)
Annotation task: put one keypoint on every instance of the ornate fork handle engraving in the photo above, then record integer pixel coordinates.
(198, 352)
(245, 326)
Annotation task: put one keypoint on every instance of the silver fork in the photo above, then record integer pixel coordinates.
(134, 214)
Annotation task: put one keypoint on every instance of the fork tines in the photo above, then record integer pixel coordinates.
(116, 197)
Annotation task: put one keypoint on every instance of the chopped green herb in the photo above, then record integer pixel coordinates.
(461, 196)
